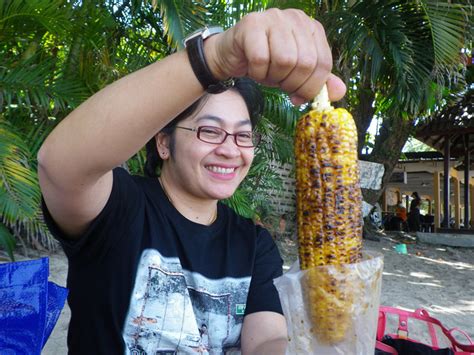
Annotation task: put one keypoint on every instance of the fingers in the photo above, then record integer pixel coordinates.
(314, 62)
(282, 48)
(336, 90)
(256, 49)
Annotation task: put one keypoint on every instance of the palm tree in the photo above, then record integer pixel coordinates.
(52, 57)
(31, 90)
(56, 53)
(398, 59)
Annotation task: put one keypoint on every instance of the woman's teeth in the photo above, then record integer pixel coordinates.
(220, 170)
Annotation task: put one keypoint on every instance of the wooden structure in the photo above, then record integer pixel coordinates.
(422, 172)
(451, 132)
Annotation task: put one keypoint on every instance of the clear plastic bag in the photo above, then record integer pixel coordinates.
(362, 286)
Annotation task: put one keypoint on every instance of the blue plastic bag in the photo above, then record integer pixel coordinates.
(29, 306)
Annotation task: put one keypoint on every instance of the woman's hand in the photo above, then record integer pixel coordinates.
(279, 48)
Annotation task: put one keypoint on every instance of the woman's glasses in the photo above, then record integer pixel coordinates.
(216, 135)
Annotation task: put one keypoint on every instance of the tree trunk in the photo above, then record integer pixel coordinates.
(387, 150)
(363, 113)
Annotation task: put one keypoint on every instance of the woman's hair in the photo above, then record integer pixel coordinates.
(249, 91)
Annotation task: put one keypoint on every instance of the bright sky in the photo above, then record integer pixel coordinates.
(412, 145)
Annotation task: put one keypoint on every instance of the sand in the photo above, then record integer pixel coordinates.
(436, 278)
(439, 279)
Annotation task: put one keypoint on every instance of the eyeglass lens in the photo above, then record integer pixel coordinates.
(217, 135)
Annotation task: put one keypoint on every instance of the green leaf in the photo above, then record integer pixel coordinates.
(34, 83)
(279, 109)
(30, 16)
(19, 190)
(180, 18)
(448, 24)
(240, 203)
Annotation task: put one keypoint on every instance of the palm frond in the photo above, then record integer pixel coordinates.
(33, 83)
(27, 17)
(279, 110)
(276, 144)
(394, 45)
(35, 136)
(448, 23)
(19, 191)
(241, 203)
(237, 9)
(180, 18)
(34, 231)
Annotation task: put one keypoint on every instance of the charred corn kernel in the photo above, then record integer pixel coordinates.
(329, 217)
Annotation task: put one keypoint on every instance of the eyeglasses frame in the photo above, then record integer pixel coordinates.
(255, 135)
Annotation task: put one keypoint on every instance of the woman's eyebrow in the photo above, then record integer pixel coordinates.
(245, 121)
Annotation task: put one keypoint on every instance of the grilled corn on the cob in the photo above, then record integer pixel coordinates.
(328, 214)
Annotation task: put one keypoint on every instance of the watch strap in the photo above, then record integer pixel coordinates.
(195, 49)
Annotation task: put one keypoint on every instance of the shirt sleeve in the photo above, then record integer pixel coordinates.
(263, 295)
(121, 208)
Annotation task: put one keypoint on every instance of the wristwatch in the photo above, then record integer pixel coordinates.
(194, 44)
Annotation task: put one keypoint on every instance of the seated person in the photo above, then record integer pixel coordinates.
(401, 212)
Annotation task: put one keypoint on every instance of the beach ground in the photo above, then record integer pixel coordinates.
(437, 278)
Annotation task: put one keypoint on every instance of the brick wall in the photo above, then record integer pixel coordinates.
(284, 202)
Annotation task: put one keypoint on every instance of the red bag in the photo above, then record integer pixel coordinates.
(401, 332)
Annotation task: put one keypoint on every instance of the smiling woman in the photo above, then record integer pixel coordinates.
(197, 173)
(153, 258)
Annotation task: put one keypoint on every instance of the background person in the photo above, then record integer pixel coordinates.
(401, 215)
(414, 216)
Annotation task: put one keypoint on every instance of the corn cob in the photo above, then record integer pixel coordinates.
(328, 214)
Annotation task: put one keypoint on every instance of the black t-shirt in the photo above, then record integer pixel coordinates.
(143, 279)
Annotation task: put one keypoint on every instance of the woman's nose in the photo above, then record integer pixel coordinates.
(228, 147)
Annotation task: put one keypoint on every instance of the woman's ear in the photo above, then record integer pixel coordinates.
(163, 145)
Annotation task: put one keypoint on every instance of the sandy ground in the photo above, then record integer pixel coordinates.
(439, 279)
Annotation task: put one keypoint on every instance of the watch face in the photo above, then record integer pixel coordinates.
(203, 33)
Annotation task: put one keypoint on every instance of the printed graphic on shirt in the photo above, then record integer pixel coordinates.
(175, 311)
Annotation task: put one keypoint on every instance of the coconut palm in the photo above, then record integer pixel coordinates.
(56, 53)
(49, 63)
(31, 88)
(398, 59)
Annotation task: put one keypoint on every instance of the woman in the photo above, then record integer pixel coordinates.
(414, 216)
(152, 258)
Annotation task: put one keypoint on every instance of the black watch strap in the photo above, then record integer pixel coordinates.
(195, 49)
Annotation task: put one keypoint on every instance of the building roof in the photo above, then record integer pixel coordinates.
(455, 122)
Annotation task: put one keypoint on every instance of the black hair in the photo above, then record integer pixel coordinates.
(247, 88)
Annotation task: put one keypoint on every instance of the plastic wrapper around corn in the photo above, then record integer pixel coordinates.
(362, 285)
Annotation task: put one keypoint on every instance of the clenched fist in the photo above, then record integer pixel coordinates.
(279, 48)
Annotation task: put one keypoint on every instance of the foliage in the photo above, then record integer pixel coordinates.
(56, 53)
(401, 47)
(414, 145)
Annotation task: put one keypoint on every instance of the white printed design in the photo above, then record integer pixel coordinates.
(175, 311)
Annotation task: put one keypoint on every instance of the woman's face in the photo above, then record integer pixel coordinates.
(205, 170)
